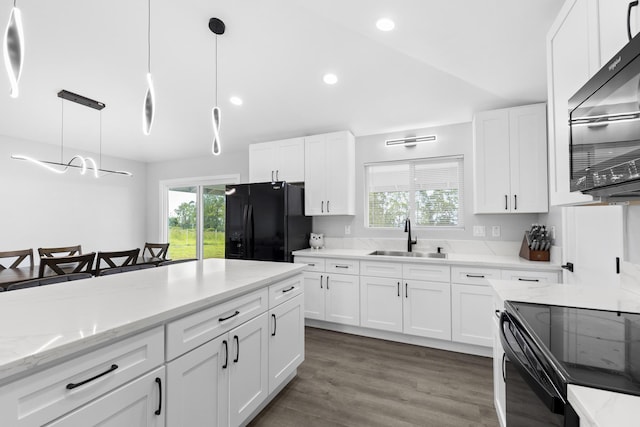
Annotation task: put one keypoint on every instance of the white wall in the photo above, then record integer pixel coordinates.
(41, 209)
(452, 140)
(209, 166)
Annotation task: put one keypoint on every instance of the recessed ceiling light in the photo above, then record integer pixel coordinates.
(330, 79)
(385, 24)
(235, 100)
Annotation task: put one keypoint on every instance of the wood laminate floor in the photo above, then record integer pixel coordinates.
(348, 380)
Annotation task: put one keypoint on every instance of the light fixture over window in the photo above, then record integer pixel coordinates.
(148, 107)
(14, 49)
(217, 27)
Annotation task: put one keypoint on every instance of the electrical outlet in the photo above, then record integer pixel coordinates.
(495, 231)
(479, 231)
(347, 229)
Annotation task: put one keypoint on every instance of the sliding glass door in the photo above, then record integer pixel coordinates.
(193, 217)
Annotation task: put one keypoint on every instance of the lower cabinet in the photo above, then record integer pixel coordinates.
(410, 306)
(471, 308)
(138, 403)
(332, 297)
(223, 381)
(286, 340)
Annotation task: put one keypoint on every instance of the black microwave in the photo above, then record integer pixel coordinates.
(604, 123)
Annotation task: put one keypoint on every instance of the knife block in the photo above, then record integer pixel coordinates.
(531, 255)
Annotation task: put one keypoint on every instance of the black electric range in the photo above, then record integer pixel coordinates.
(588, 347)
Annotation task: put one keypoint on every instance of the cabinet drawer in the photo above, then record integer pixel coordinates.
(191, 331)
(429, 272)
(530, 276)
(474, 275)
(46, 395)
(313, 264)
(380, 269)
(285, 290)
(347, 266)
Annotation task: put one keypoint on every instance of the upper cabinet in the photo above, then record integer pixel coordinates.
(584, 36)
(277, 161)
(330, 175)
(510, 160)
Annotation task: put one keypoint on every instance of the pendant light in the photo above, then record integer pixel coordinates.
(217, 27)
(14, 49)
(148, 107)
(77, 161)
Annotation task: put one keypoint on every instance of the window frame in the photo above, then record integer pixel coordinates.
(411, 196)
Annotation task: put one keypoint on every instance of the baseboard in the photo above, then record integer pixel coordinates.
(403, 338)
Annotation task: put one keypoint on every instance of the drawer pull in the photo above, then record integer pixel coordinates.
(237, 340)
(222, 319)
(287, 290)
(159, 410)
(528, 280)
(226, 354)
(341, 266)
(475, 276)
(71, 386)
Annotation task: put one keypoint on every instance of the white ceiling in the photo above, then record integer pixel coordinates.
(444, 60)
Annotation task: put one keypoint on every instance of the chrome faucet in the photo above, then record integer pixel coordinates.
(407, 229)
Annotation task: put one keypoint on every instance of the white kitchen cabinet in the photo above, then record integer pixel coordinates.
(286, 340)
(612, 22)
(329, 296)
(510, 160)
(277, 161)
(223, 381)
(472, 305)
(198, 392)
(330, 174)
(573, 56)
(534, 276)
(499, 385)
(403, 304)
(139, 403)
(45, 396)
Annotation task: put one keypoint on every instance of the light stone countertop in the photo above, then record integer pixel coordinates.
(48, 323)
(478, 260)
(601, 408)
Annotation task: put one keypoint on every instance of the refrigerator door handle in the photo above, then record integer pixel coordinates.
(251, 227)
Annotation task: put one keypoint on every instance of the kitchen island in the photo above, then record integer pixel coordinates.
(596, 407)
(85, 350)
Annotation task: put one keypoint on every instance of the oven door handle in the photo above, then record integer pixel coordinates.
(548, 394)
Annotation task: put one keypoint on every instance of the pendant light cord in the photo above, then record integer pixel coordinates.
(148, 36)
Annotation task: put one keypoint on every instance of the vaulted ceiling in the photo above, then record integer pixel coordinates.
(444, 61)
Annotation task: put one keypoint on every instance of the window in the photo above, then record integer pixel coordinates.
(194, 217)
(429, 191)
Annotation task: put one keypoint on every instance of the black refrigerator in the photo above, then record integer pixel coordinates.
(265, 221)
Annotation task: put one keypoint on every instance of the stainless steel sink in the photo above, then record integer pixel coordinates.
(410, 254)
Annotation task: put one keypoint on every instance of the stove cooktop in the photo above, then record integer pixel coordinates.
(593, 348)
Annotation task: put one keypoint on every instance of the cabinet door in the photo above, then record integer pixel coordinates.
(314, 295)
(289, 159)
(262, 161)
(572, 57)
(248, 368)
(139, 403)
(198, 386)
(499, 386)
(528, 158)
(286, 340)
(471, 311)
(613, 27)
(340, 174)
(427, 309)
(381, 303)
(314, 175)
(342, 299)
(491, 162)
